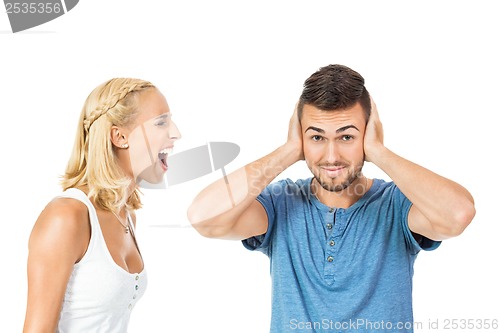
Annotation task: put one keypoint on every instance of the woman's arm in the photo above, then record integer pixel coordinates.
(58, 240)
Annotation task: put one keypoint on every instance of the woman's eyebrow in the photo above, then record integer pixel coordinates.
(163, 116)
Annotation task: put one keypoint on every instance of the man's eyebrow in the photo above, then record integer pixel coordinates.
(317, 129)
(345, 128)
(340, 130)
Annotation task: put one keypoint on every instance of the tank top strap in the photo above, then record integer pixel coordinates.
(79, 195)
(130, 222)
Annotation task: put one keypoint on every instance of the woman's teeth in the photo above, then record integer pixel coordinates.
(166, 151)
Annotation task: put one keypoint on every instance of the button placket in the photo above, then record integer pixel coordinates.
(332, 264)
(330, 250)
(136, 288)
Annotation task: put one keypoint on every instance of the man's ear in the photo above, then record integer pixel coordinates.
(119, 137)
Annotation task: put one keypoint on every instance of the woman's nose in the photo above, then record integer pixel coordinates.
(174, 132)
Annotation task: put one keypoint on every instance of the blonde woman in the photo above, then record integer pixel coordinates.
(85, 270)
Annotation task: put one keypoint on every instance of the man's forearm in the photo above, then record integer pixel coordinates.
(448, 206)
(239, 189)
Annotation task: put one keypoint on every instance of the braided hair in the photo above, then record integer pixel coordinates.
(93, 161)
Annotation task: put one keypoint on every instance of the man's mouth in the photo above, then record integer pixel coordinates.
(333, 171)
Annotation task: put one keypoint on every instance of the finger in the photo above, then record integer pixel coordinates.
(296, 109)
(374, 110)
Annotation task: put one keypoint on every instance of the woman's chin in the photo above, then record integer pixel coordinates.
(156, 178)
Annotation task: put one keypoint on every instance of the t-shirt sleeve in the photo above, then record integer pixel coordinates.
(416, 245)
(267, 199)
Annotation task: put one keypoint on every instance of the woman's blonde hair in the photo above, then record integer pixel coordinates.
(93, 162)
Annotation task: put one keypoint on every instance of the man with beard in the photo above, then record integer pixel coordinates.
(342, 246)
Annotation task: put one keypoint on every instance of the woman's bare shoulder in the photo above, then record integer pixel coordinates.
(63, 224)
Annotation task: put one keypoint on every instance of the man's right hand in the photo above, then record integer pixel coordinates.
(295, 134)
(228, 208)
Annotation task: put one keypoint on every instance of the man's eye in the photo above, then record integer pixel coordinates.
(347, 137)
(161, 123)
(316, 138)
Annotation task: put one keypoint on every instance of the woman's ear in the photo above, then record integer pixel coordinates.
(119, 137)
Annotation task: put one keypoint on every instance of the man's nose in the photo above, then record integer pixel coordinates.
(332, 152)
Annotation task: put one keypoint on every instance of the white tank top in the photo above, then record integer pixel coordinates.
(100, 294)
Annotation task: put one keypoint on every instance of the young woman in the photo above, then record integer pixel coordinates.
(85, 271)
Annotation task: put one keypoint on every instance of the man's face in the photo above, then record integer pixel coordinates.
(333, 145)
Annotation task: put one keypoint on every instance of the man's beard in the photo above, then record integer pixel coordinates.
(327, 184)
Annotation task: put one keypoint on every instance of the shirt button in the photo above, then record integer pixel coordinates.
(136, 287)
(332, 243)
(329, 259)
(130, 306)
(331, 210)
(329, 226)
(134, 297)
(137, 277)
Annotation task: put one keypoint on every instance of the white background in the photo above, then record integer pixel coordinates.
(232, 71)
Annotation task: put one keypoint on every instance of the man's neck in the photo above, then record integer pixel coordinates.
(345, 198)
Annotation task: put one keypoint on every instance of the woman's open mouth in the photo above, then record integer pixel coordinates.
(162, 156)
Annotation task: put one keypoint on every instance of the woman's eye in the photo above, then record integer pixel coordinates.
(161, 123)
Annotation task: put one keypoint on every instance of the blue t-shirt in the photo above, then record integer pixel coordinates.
(339, 270)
